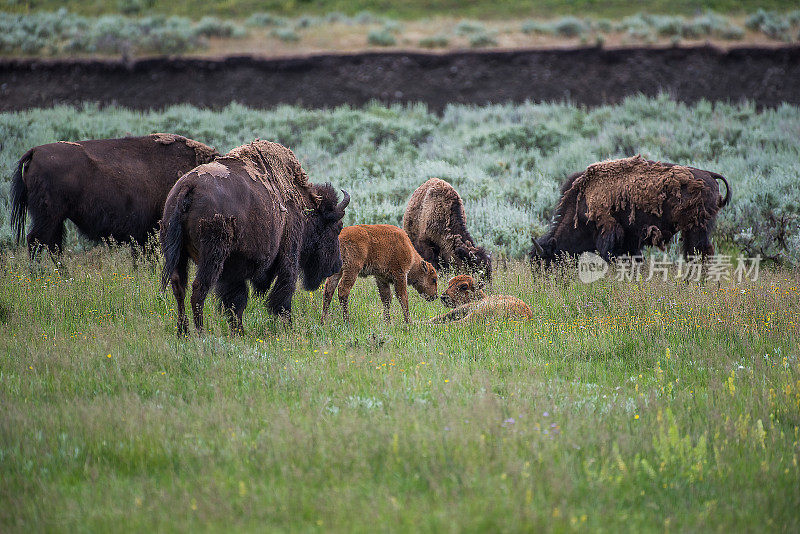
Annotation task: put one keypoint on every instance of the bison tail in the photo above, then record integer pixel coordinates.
(724, 202)
(172, 237)
(19, 197)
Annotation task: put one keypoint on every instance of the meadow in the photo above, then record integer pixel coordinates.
(623, 406)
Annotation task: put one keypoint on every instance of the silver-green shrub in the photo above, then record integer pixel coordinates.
(507, 161)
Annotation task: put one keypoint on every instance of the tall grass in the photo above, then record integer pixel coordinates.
(621, 406)
(507, 161)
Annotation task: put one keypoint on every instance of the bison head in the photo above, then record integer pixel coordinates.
(543, 251)
(462, 289)
(320, 256)
(423, 278)
(476, 259)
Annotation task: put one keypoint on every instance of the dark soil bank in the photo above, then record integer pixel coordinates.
(588, 76)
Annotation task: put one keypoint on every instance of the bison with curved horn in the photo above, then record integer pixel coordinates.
(436, 224)
(250, 215)
(110, 188)
(617, 207)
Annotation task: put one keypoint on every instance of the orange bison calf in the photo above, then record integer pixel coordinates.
(385, 252)
(472, 304)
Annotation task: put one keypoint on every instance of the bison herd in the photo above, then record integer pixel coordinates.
(253, 215)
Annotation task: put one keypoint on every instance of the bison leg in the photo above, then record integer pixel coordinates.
(401, 290)
(207, 276)
(45, 233)
(327, 297)
(279, 301)
(606, 242)
(696, 241)
(215, 247)
(385, 292)
(345, 285)
(233, 297)
(178, 281)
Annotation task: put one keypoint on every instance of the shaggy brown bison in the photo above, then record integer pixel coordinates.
(472, 304)
(110, 188)
(385, 252)
(250, 215)
(436, 223)
(618, 207)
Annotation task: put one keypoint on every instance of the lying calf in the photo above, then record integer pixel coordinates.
(472, 304)
(385, 252)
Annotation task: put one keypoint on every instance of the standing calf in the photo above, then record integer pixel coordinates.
(385, 252)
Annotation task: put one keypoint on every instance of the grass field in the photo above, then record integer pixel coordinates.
(620, 407)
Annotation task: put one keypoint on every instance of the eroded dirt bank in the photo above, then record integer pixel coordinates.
(588, 76)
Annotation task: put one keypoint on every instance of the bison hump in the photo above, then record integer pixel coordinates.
(277, 168)
(636, 184)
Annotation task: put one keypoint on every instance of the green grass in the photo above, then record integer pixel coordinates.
(620, 407)
(410, 9)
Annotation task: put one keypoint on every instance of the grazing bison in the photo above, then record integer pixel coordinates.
(435, 222)
(472, 304)
(110, 188)
(385, 252)
(250, 215)
(618, 207)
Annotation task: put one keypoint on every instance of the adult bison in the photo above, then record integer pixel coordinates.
(617, 207)
(436, 224)
(110, 188)
(250, 215)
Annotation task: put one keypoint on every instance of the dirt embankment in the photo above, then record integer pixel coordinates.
(588, 76)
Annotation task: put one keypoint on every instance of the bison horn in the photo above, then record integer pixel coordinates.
(345, 201)
(538, 248)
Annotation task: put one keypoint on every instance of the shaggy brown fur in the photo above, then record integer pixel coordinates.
(436, 224)
(252, 215)
(385, 252)
(615, 186)
(277, 168)
(110, 188)
(472, 304)
(617, 207)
